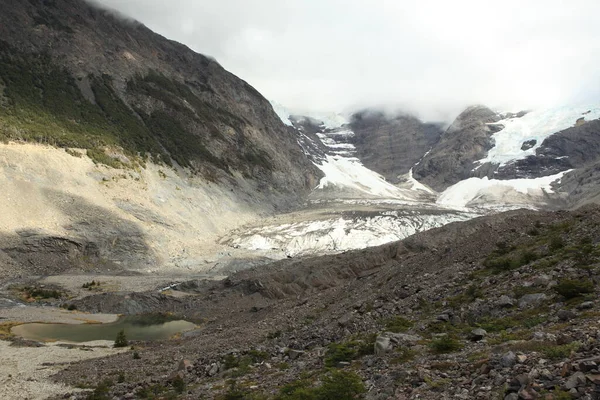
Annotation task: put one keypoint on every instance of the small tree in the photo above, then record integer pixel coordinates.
(121, 340)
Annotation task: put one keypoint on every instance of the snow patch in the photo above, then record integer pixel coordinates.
(469, 190)
(349, 173)
(282, 112)
(535, 125)
(341, 234)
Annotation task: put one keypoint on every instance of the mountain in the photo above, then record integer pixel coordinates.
(453, 157)
(392, 145)
(74, 75)
(132, 151)
(503, 306)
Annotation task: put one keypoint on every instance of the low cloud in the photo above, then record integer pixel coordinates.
(428, 57)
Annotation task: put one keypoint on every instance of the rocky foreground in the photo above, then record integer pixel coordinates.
(500, 307)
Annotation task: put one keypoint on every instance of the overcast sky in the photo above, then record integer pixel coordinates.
(430, 57)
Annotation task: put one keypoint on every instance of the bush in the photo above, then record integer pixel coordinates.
(398, 324)
(445, 344)
(556, 243)
(570, 289)
(339, 352)
(337, 385)
(121, 339)
(178, 384)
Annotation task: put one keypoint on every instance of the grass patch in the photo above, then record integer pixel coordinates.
(570, 288)
(398, 324)
(335, 385)
(445, 344)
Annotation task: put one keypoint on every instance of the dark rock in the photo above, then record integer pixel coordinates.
(566, 315)
(295, 354)
(505, 301)
(528, 144)
(508, 360)
(453, 158)
(576, 380)
(477, 334)
(391, 145)
(586, 305)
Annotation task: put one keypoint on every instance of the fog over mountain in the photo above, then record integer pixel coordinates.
(428, 57)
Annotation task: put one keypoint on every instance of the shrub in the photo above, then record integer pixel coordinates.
(121, 339)
(556, 243)
(336, 385)
(178, 384)
(339, 352)
(101, 391)
(445, 344)
(570, 289)
(398, 324)
(340, 385)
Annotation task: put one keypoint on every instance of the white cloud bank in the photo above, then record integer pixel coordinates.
(432, 57)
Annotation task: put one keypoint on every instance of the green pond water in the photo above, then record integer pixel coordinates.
(135, 328)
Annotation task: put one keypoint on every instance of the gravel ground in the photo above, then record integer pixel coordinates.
(52, 315)
(25, 371)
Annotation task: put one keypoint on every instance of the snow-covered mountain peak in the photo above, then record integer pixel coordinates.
(531, 129)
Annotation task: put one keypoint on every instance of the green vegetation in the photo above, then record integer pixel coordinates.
(571, 289)
(39, 293)
(445, 344)
(43, 103)
(178, 384)
(472, 293)
(402, 355)
(121, 339)
(90, 285)
(241, 364)
(348, 351)
(335, 385)
(101, 391)
(397, 324)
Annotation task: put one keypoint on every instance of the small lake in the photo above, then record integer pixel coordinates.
(135, 327)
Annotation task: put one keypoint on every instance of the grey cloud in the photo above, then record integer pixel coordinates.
(427, 57)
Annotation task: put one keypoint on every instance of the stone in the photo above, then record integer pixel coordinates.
(566, 315)
(294, 354)
(521, 358)
(511, 396)
(185, 365)
(403, 338)
(576, 380)
(505, 302)
(382, 345)
(532, 300)
(542, 281)
(176, 375)
(213, 370)
(508, 360)
(443, 318)
(477, 334)
(586, 305)
(528, 394)
(586, 366)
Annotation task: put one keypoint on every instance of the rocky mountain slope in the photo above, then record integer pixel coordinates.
(147, 151)
(391, 145)
(503, 306)
(453, 158)
(77, 76)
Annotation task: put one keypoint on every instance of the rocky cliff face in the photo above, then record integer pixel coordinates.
(77, 76)
(452, 159)
(391, 145)
(182, 150)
